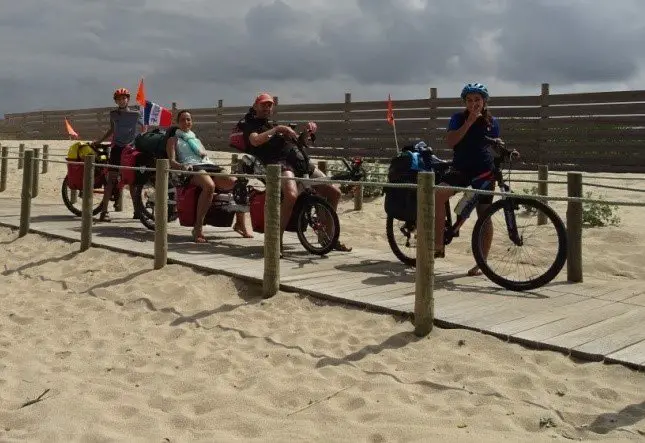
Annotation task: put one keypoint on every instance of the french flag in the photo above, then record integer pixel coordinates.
(155, 115)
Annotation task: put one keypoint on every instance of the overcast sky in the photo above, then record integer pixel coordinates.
(65, 54)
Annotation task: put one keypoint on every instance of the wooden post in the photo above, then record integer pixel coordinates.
(358, 197)
(542, 124)
(276, 110)
(45, 167)
(271, 281)
(36, 179)
(432, 123)
(21, 155)
(25, 207)
(574, 228)
(234, 168)
(424, 298)
(322, 165)
(88, 199)
(543, 189)
(161, 213)
(4, 166)
(348, 120)
(220, 130)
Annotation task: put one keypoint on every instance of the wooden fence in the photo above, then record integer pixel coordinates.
(600, 131)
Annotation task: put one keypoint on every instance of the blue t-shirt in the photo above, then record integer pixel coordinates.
(470, 155)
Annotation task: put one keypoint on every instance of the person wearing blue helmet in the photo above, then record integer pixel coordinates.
(473, 163)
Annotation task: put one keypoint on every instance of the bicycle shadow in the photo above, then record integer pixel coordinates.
(393, 272)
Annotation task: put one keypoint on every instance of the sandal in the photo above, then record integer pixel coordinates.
(342, 247)
(105, 217)
(199, 238)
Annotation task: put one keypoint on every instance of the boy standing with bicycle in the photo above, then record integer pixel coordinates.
(125, 125)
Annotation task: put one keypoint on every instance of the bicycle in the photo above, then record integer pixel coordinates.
(311, 211)
(73, 181)
(508, 207)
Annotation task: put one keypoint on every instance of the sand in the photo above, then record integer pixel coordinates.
(127, 353)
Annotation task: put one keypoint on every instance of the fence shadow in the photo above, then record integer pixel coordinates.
(34, 264)
(630, 415)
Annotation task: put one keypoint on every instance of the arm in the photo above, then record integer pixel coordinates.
(171, 146)
(257, 139)
(107, 134)
(456, 132)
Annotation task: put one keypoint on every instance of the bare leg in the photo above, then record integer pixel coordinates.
(241, 225)
(488, 238)
(203, 204)
(107, 194)
(289, 197)
(441, 197)
(332, 194)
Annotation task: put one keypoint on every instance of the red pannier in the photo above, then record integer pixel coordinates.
(74, 175)
(256, 208)
(187, 204)
(187, 197)
(128, 158)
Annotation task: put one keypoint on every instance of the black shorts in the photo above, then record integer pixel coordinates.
(483, 181)
(284, 166)
(115, 155)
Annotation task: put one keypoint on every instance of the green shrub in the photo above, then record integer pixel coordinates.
(599, 214)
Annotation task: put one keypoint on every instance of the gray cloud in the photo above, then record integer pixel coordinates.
(73, 53)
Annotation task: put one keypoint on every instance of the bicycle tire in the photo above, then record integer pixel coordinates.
(147, 218)
(394, 246)
(534, 283)
(301, 225)
(65, 193)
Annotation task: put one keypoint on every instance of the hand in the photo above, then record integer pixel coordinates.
(473, 116)
(515, 155)
(286, 130)
(499, 142)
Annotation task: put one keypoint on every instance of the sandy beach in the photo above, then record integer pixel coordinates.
(126, 353)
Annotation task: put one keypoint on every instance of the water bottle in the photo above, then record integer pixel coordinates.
(466, 205)
(461, 204)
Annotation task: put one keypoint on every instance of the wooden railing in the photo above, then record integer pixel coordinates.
(600, 131)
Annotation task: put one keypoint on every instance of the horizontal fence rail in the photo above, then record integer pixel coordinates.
(592, 132)
(424, 301)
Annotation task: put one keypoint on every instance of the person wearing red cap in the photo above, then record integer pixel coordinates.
(269, 143)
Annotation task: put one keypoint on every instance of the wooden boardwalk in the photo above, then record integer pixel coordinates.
(597, 320)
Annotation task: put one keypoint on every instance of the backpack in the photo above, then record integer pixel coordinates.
(236, 137)
(401, 203)
(152, 144)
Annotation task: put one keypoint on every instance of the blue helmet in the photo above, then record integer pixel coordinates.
(477, 88)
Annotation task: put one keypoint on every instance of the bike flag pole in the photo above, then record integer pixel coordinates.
(390, 120)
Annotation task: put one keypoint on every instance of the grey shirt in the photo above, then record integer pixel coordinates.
(125, 126)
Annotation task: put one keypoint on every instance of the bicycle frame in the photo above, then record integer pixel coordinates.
(452, 230)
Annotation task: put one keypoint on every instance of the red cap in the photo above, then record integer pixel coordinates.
(264, 98)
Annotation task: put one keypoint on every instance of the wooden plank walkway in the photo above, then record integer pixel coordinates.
(597, 320)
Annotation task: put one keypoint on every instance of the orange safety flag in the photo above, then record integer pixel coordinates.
(390, 111)
(70, 130)
(141, 94)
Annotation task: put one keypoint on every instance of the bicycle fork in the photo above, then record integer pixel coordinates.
(511, 222)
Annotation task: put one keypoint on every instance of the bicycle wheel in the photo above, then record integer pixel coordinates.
(76, 207)
(316, 213)
(510, 263)
(406, 232)
(144, 204)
